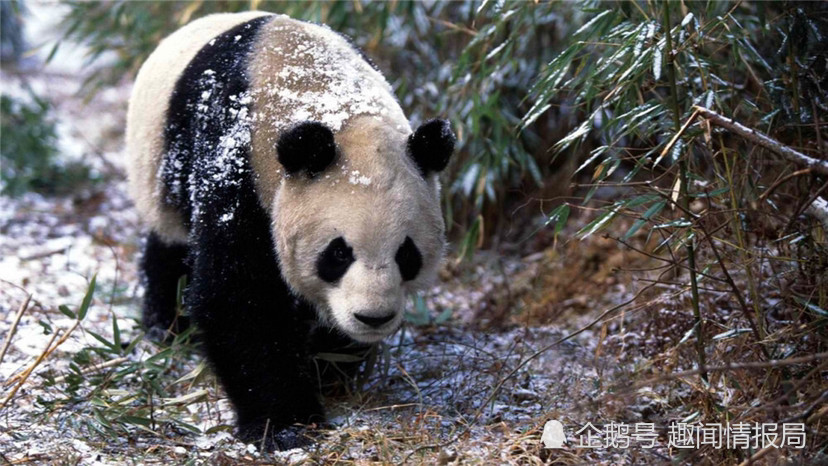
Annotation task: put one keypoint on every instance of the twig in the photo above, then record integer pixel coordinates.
(93, 369)
(391, 407)
(13, 328)
(44, 254)
(49, 350)
(25, 375)
(263, 444)
(779, 182)
(732, 367)
(789, 154)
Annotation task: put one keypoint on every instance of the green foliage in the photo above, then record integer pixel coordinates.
(27, 146)
(420, 315)
(27, 150)
(704, 198)
(136, 392)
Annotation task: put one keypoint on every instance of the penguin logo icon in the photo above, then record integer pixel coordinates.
(553, 434)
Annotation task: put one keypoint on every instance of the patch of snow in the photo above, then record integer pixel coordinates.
(356, 178)
(343, 84)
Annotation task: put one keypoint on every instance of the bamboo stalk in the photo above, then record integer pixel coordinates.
(683, 197)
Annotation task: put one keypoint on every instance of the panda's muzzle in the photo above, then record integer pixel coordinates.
(374, 322)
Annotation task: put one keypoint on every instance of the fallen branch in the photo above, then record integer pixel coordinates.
(791, 155)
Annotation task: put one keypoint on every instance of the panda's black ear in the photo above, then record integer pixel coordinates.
(308, 146)
(431, 146)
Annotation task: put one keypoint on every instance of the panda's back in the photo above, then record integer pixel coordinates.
(219, 91)
(147, 115)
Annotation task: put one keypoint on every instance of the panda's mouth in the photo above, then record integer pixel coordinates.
(374, 321)
(366, 328)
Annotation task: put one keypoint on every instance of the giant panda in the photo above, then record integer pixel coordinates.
(275, 168)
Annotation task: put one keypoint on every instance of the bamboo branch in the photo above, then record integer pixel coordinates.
(684, 199)
(791, 155)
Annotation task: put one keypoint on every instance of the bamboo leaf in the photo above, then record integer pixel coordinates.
(87, 299)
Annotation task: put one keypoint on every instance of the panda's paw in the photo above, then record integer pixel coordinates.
(286, 438)
(292, 437)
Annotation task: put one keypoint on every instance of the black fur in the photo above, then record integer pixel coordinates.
(431, 146)
(409, 259)
(253, 330)
(162, 266)
(195, 125)
(308, 146)
(335, 260)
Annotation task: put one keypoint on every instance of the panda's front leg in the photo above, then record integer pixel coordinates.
(251, 332)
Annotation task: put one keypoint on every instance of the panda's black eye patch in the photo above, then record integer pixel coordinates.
(409, 259)
(334, 261)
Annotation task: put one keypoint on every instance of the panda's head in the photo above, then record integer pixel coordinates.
(357, 220)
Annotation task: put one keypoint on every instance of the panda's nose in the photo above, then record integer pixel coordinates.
(374, 321)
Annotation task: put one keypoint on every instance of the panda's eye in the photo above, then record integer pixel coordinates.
(335, 260)
(409, 259)
(341, 254)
